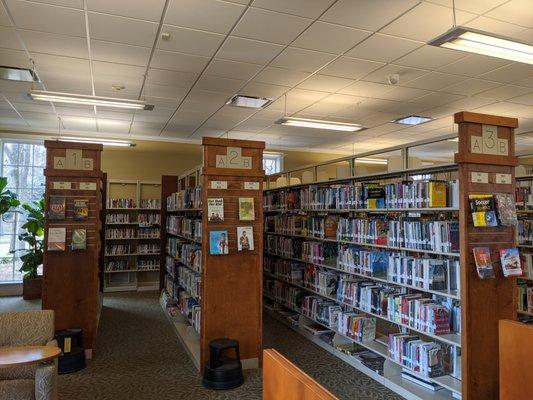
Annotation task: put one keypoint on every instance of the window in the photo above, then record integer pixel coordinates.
(23, 165)
(272, 163)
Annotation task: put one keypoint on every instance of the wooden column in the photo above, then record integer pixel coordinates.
(232, 283)
(70, 285)
(486, 165)
(169, 185)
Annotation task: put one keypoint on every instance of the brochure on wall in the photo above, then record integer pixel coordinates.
(510, 260)
(79, 239)
(218, 242)
(56, 239)
(215, 209)
(484, 266)
(246, 209)
(56, 207)
(245, 238)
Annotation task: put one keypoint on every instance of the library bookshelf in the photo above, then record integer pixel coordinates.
(524, 205)
(132, 235)
(355, 276)
(213, 290)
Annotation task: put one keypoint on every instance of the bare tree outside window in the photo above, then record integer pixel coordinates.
(23, 165)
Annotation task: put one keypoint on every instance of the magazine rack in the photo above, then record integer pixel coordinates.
(486, 162)
(231, 283)
(70, 284)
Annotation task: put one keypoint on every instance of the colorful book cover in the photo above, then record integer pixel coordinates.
(56, 239)
(246, 209)
(483, 262)
(215, 209)
(218, 242)
(437, 194)
(79, 239)
(506, 207)
(81, 209)
(510, 261)
(56, 207)
(375, 197)
(245, 238)
(483, 210)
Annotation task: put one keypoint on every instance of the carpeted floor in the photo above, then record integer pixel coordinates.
(139, 358)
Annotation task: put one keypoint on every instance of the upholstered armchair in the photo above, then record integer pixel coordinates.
(32, 382)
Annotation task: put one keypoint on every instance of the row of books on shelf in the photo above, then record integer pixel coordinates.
(323, 227)
(524, 232)
(524, 297)
(426, 358)
(190, 198)
(524, 195)
(401, 194)
(148, 233)
(121, 203)
(154, 204)
(123, 265)
(149, 219)
(126, 233)
(190, 308)
(190, 281)
(187, 227)
(424, 312)
(189, 254)
(127, 249)
(119, 218)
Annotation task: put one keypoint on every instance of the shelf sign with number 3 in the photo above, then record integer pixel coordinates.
(489, 142)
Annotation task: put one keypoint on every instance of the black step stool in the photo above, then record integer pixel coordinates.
(222, 373)
(73, 360)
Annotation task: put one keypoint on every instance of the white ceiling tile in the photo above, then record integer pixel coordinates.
(124, 115)
(122, 30)
(161, 102)
(470, 87)
(146, 128)
(209, 15)
(263, 90)
(61, 65)
(113, 126)
(469, 103)
(525, 36)
(270, 26)
(9, 39)
(403, 94)
(379, 47)
(494, 26)
(117, 71)
(302, 8)
(159, 114)
(438, 99)
(178, 61)
(406, 74)
(4, 18)
(104, 84)
(164, 91)
(241, 135)
(525, 99)
(249, 51)
(500, 108)
(430, 57)
(366, 14)
(473, 6)
(51, 43)
(518, 12)
(254, 124)
(232, 69)
(504, 92)
(425, 22)
(219, 84)
(47, 18)
(324, 83)
(435, 81)
(64, 3)
(40, 107)
(528, 82)
(298, 99)
(352, 68)
(172, 78)
(366, 89)
(191, 41)
(330, 38)
(509, 73)
(302, 60)
(140, 9)
(79, 123)
(119, 53)
(474, 65)
(280, 76)
(60, 82)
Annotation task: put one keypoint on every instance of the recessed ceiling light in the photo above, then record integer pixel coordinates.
(320, 124)
(71, 98)
(18, 74)
(240, 100)
(412, 120)
(105, 142)
(479, 42)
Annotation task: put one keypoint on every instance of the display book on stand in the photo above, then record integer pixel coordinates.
(524, 207)
(132, 233)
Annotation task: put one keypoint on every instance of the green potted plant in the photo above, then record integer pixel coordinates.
(33, 255)
(8, 199)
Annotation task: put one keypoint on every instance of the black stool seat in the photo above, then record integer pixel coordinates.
(222, 372)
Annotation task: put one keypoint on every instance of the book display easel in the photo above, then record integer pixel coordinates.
(212, 282)
(132, 235)
(378, 269)
(72, 236)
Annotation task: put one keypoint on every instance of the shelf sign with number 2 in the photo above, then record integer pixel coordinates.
(488, 142)
(234, 159)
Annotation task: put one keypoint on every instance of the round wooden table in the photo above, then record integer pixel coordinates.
(25, 355)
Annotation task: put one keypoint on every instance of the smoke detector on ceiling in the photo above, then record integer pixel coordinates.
(118, 87)
(393, 79)
(165, 36)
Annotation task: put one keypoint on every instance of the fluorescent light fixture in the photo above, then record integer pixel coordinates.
(105, 142)
(71, 98)
(18, 74)
(366, 160)
(320, 124)
(412, 120)
(488, 44)
(240, 100)
(453, 140)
